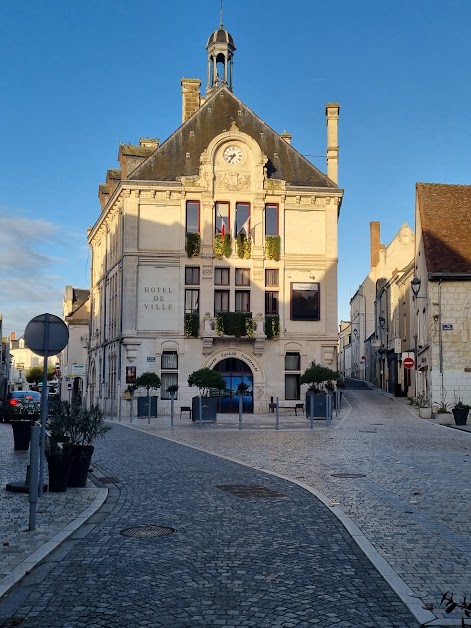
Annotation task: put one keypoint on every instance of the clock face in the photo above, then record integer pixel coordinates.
(233, 155)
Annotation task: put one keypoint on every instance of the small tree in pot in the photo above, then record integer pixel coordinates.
(206, 380)
(319, 378)
(149, 381)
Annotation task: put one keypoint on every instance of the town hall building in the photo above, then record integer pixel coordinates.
(216, 248)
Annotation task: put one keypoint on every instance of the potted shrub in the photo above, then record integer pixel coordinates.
(76, 428)
(423, 406)
(207, 381)
(443, 413)
(147, 406)
(21, 426)
(460, 412)
(317, 377)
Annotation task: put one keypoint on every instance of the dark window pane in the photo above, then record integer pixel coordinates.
(292, 361)
(221, 301)
(242, 224)
(192, 276)
(242, 301)
(271, 219)
(221, 218)
(271, 302)
(292, 388)
(221, 276)
(166, 380)
(192, 298)
(242, 277)
(305, 302)
(192, 217)
(169, 360)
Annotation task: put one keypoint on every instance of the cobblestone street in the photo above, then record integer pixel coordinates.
(398, 483)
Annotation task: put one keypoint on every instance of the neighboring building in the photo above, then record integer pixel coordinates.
(21, 360)
(4, 361)
(443, 280)
(217, 248)
(384, 264)
(74, 358)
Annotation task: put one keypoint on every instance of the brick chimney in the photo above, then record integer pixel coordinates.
(191, 99)
(12, 335)
(375, 238)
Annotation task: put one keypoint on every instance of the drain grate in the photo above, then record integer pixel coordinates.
(348, 475)
(10, 622)
(148, 532)
(249, 490)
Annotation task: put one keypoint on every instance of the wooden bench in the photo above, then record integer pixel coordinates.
(296, 407)
(185, 409)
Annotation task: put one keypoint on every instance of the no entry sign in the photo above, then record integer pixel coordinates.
(408, 363)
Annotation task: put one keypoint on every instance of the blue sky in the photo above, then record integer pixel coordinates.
(78, 78)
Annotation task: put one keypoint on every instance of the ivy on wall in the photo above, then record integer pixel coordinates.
(273, 247)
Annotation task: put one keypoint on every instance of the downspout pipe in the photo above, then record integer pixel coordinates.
(440, 339)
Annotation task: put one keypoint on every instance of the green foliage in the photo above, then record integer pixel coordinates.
(272, 327)
(318, 377)
(273, 247)
(149, 381)
(72, 424)
(234, 324)
(420, 401)
(205, 380)
(193, 244)
(34, 375)
(192, 325)
(242, 388)
(222, 246)
(173, 388)
(244, 246)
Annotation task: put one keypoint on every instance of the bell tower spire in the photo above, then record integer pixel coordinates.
(220, 49)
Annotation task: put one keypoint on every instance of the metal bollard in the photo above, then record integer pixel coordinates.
(172, 407)
(33, 476)
(200, 403)
(240, 411)
(277, 424)
(311, 410)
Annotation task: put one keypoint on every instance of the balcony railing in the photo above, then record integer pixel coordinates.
(241, 325)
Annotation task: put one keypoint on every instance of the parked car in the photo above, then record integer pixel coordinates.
(18, 402)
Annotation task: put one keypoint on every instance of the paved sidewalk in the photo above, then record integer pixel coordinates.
(57, 515)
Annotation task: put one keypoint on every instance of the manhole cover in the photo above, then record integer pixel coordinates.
(148, 532)
(250, 490)
(12, 622)
(348, 475)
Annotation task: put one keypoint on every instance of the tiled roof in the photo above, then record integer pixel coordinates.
(445, 217)
(180, 154)
(136, 151)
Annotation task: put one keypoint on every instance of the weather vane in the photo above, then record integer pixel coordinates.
(220, 16)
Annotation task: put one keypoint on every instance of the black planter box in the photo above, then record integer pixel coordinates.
(320, 405)
(209, 406)
(460, 415)
(81, 459)
(21, 435)
(143, 407)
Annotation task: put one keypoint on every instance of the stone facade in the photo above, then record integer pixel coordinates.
(224, 218)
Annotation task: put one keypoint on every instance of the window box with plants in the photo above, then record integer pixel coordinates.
(222, 245)
(208, 382)
(237, 324)
(244, 246)
(273, 247)
(193, 244)
(319, 379)
(192, 324)
(272, 326)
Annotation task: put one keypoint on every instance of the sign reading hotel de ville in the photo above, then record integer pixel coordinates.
(158, 299)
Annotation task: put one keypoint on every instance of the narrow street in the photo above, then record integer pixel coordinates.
(275, 557)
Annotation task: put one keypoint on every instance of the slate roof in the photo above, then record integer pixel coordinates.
(221, 35)
(170, 162)
(445, 217)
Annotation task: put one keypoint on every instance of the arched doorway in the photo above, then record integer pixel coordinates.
(235, 372)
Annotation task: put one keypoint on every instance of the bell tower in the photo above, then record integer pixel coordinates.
(220, 49)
